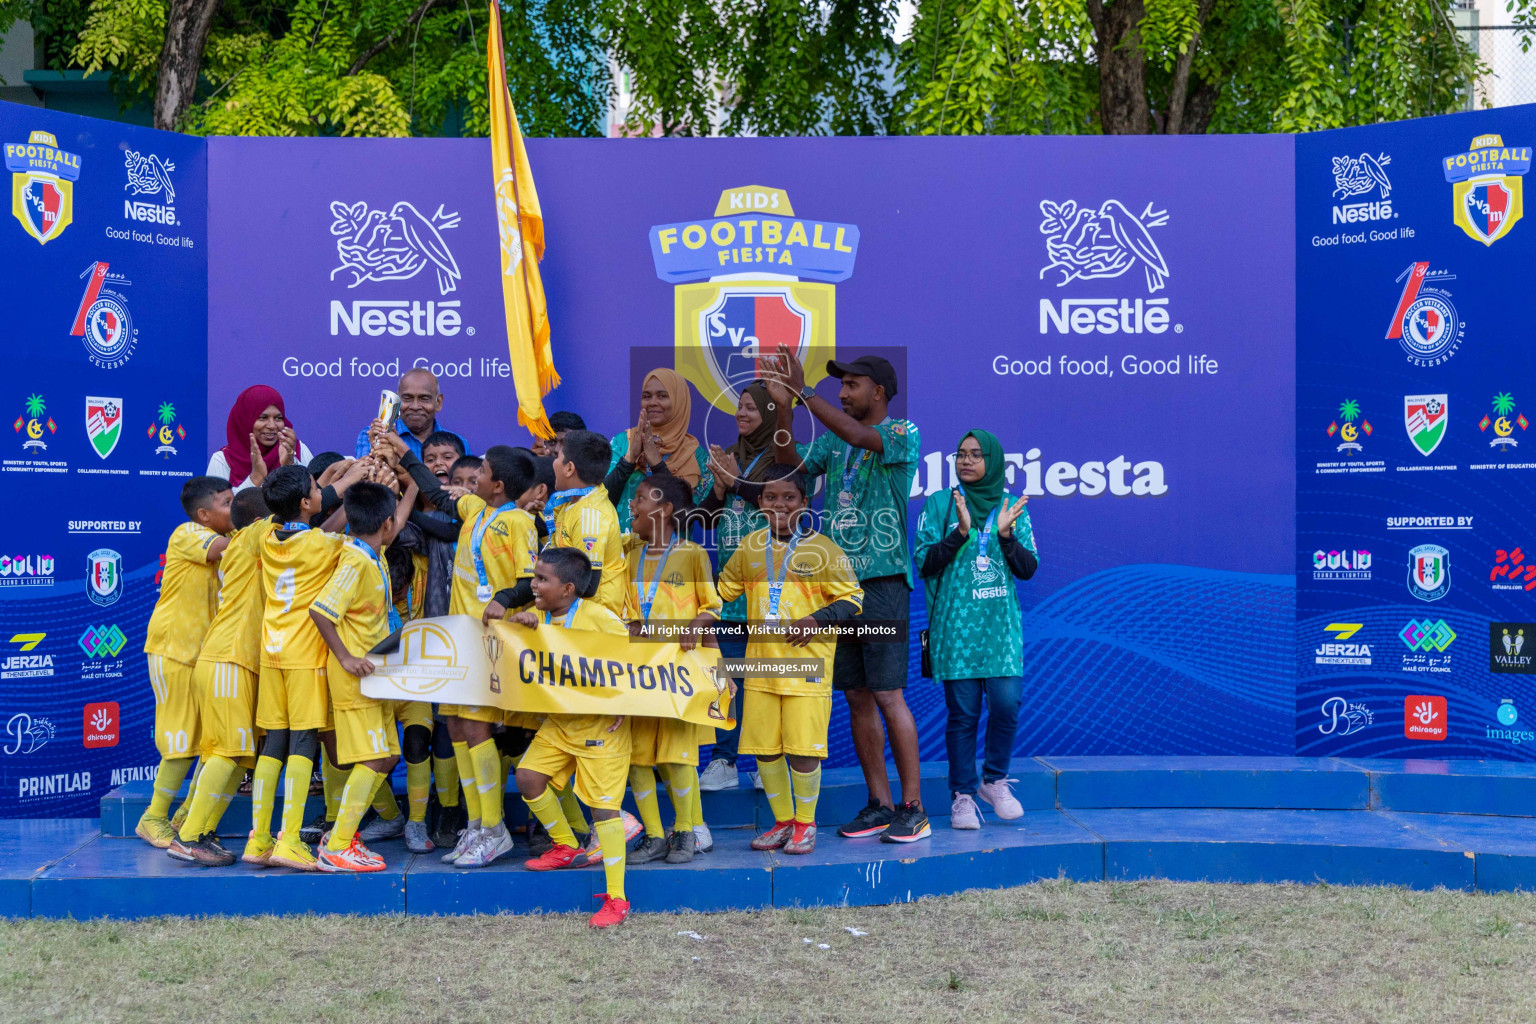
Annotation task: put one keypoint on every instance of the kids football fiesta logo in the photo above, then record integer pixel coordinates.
(752, 281)
(43, 180)
(1486, 200)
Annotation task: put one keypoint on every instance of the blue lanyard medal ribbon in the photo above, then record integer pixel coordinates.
(570, 614)
(560, 498)
(776, 576)
(851, 467)
(378, 563)
(648, 597)
(738, 502)
(295, 527)
(483, 591)
(983, 563)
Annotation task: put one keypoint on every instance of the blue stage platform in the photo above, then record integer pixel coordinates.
(1422, 824)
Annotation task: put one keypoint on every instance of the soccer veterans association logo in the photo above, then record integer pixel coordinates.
(43, 180)
(1486, 180)
(1425, 323)
(103, 423)
(102, 320)
(752, 281)
(1425, 417)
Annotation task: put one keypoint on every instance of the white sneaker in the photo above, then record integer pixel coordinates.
(1004, 804)
(417, 838)
(467, 839)
(963, 812)
(490, 843)
(706, 842)
(378, 829)
(757, 780)
(720, 774)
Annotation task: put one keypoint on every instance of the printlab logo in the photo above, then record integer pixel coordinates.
(1342, 717)
(150, 176)
(102, 320)
(1338, 652)
(99, 724)
(1486, 199)
(26, 665)
(43, 180)
(1503, 426)
(1429, 572)
(1506, 648)
(1360, 176)
(1425, 323)
(33, 420)
(1349, 432)
(104, 576)
(1084, 244)
(1511, 571)
(166, 430)
(103, 423)
(26, 570)
(784, 271)
(1346, 564)
(1424, 717)
(1425, 417)
(102, 642)
(26, 734)
(1507, 715)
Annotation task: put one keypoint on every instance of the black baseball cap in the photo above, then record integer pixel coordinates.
(875, 368)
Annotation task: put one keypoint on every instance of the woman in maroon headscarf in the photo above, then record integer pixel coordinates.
(258, 438)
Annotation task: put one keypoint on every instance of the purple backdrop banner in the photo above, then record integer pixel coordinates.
(1118, 311)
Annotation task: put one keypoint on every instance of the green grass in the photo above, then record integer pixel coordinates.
(1056, 951)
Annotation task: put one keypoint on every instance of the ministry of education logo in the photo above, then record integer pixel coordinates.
(1503, 426)
(1486, 183)
(166, 430)
(1429, 572)
(102, 320)
(43, 180)
(375, 245)
(1425, 417)
(1425, 323)
(1084, 243)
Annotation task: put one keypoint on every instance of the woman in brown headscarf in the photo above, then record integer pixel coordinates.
(658, 441)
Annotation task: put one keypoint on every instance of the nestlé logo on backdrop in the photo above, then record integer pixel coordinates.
(1086, 244)
(1360, 176)
(394, 245)
(150, 176)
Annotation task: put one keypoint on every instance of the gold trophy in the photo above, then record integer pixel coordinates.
(493, 646)
(389, 409)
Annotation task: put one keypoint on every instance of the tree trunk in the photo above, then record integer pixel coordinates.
(181, 58)
(1123, 106)
(1175, 122)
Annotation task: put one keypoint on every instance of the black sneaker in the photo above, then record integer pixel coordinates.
(312, 832)
(681, 846)
(539, 842)
(908, 826)
(212, 842)
(648, 849)
(210, 854)
(872, 820)
(450, 822)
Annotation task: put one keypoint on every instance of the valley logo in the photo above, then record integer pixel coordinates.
(1507, 643)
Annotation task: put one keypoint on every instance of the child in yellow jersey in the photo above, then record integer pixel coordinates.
(225, 684)
(352, 615)
(585, 518)
(189, 597)
(498, 542)
(292, 704)
(796, 584)
(673, 582)
(595, 748)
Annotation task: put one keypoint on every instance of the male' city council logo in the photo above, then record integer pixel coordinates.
(1425, 323)
(1425, 417)
(373, 245)
(42, 185)
(1486, 200)
(1429, 572)
(102, 320)
(1084, 243)
(752, 281)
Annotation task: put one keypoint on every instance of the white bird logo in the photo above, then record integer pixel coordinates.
(395, 246)
(1087, 243)
(150, 176)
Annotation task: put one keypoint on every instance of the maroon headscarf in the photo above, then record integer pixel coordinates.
(253, 401)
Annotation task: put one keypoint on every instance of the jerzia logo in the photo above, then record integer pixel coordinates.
(42, 185)
(102, 320)
(1360, 176)
(782, 272)
(1425, 323)
(1486, 199)
(1343, 653)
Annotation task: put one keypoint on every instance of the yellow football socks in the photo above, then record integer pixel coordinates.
(572, 809)
(361, 782)
(333, 781)
(546, 808)
(384, 798)
(487, 782)
(418, 787)
(296, 778)
(467, 781)
(775, 775)
(227, 797)
(205, 796)
(264, 795)
(807, 786)
(642, 783)
(180, 817)
(682, 785)
(168, 779)
(445, 776)
(610, 833)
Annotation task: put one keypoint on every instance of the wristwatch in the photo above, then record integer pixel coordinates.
(806, 394)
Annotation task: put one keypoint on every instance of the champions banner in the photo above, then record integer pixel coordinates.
(454, 660)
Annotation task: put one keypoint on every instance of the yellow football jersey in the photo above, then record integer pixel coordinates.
(591, 525)
(683, 587)
(509, 543)
(235, 636)
(586, 735)
(294, 570)
(818, 574)
(357, 600)
(189, 596)
(413, 602)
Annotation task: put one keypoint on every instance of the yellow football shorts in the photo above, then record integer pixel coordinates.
(522, 720)
(366, 733)
(774, 723)
(226, 703)
(176, 722)
(600, 781)
(663, 741)
(472, 713)
(413, 712)
(292, 698)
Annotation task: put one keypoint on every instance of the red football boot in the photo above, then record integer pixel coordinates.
(611, 913)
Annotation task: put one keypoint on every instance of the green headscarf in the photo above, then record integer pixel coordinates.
(982, 496)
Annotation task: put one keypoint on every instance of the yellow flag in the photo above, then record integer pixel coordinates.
(522, 246)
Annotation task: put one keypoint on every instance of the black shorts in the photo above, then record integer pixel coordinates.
(875, 666)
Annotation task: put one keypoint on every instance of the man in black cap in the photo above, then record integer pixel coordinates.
(870, 461)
